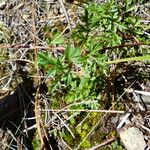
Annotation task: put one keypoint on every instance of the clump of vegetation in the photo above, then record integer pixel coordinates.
(77, 74)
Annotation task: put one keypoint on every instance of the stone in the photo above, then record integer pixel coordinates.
(133, 139)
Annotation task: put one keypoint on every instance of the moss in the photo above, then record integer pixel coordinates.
(36, 142)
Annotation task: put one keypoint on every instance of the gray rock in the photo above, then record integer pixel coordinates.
(133, 139)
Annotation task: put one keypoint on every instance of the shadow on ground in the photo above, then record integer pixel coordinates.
(14, 109)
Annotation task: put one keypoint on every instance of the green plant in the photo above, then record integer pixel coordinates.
(74, 77)
(114, 27)
(36, 142)
(117, 145)
(73, 74)
(77, 73)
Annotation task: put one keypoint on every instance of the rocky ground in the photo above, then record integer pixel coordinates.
(21, 33)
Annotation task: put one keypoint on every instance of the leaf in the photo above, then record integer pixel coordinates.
(85, 126)
(101, 58)
(131, 8)
(57, 40)
(51, 73)
(130, 20)
(69, 52)
(72, 54)
(120, 26)
(70, 97)
(43, 59)
(72, 121)
(128, 2)
(69, 79)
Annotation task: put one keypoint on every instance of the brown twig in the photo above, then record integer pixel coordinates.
(124, 45)
(37, 113)
(62, 48)
(30, 47)
(42, 135)
(103, 144)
